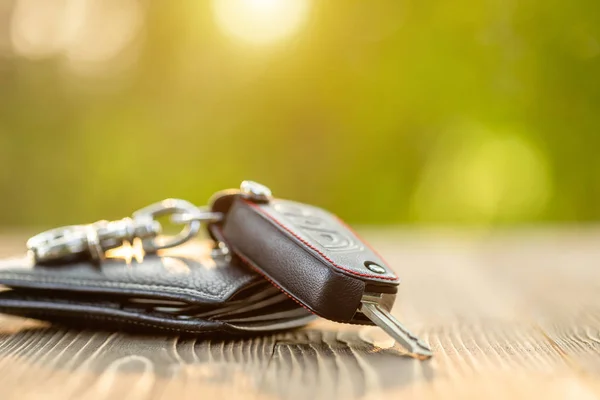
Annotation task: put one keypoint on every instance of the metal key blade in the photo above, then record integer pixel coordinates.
(382, 318)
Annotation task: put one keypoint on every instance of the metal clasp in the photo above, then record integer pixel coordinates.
(93, 240)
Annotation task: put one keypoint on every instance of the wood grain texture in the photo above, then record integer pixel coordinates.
(508, 315)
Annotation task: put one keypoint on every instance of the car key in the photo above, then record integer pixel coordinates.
(313, 257)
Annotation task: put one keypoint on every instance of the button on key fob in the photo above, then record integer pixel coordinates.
(313, 257)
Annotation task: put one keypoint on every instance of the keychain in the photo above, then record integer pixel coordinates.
(303, 250)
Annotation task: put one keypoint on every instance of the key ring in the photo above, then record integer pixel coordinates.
(174, 207)
(93, 240)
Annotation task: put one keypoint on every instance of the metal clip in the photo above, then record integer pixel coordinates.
(93, 240)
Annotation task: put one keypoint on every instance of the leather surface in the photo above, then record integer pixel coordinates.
(91, 313)
(190, 276)
(306, 252)
(327, 236)
(187, 292)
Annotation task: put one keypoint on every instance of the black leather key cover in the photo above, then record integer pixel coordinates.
(307, 252)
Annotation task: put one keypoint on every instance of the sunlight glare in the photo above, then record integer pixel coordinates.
(260, 22)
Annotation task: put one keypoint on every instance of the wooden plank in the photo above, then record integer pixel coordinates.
(508, 316)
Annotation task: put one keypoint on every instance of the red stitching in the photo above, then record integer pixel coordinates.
(389, 278)
(249, 263)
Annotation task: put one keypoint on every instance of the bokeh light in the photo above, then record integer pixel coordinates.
(480, 175)
(88, 36)
(261, 22)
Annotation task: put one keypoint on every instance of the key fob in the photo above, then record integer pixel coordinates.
(313, 257)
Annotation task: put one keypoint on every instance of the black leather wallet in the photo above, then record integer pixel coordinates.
(186, 291)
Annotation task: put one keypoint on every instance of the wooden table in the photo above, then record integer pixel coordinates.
(507, 314)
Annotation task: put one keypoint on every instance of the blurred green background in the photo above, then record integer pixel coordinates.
(396, 111)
